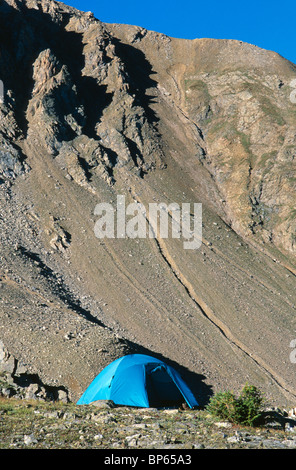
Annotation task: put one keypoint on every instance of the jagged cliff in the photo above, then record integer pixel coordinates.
(92, 111)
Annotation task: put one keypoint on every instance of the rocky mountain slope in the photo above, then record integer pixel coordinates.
(92, 111)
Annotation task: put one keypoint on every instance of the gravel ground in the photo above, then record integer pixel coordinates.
(44, 425)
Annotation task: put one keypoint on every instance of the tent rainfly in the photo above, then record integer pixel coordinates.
(141, 381)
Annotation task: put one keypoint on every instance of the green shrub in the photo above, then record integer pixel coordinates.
(245, 409)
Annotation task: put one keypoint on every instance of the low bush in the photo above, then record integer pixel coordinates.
(246, 409)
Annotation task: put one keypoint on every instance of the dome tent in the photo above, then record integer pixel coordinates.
(139, 380)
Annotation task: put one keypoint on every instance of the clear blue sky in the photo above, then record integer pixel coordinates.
(267, 24)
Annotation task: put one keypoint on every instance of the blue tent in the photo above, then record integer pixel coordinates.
(139, 380)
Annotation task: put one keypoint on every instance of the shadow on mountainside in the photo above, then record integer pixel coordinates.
(28, 32)
(139, 71)
(19, 50)
(57, 287)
